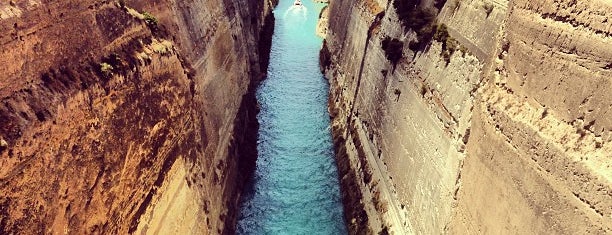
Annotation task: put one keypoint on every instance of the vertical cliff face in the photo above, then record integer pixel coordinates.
(127, 116)
(492, 117)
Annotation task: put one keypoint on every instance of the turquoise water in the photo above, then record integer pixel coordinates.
(295, 189)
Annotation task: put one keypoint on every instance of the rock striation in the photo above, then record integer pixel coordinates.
(128, 116)
(491, 117)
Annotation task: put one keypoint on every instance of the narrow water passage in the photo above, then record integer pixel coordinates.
(295, 189)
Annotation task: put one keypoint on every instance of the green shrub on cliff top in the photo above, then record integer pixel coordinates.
(106, 69)
(149, 19)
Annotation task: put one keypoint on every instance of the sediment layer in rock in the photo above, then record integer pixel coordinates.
(498, 124)
(110, 115)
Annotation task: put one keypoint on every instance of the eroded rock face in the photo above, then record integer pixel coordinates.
(107, 113)
(321, 29)
(499, 124)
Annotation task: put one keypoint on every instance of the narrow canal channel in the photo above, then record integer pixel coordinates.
(295, 189)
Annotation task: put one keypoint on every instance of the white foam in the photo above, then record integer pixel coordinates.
(294, 11)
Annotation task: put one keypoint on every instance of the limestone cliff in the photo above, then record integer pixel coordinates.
(127, 116)
(322, 24)
(472, 117)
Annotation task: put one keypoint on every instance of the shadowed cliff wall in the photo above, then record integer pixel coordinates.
(116, 121)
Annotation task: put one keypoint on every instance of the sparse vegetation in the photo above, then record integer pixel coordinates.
(421, 19)
(106, 69)
(149, 19)
(449, 44)
(488, 7)
(393, 48)
(112, 63)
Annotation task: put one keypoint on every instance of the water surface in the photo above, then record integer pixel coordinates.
(295, 188)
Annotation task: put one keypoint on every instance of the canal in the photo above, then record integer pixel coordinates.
(295, 189)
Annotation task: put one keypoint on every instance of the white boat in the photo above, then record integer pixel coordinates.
(297, 3)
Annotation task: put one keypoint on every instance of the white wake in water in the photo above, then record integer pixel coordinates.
(296, 11)
(295, 188)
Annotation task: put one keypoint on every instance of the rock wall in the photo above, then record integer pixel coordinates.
(499, 123)
(321, 29)
(114, 120)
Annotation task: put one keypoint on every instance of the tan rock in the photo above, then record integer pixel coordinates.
(95, 152)
(3, 144)
(511, 135)
(322, 25)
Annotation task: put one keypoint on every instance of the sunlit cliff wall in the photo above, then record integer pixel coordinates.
(499, 123)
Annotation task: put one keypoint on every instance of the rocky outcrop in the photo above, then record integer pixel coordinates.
(491, 117)
(127, 116)
(322, 24)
